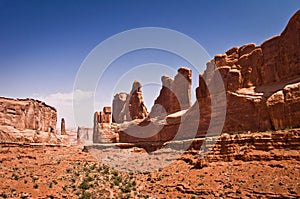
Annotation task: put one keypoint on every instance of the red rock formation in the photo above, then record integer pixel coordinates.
(284, 107)
(261, 92)
(118, 106)
(136, 106)
(63, 127)
(246, 147)
(29, 114)
(252, 74)
(103, 131)
(175, 95)
(127, 107)
(104, 116)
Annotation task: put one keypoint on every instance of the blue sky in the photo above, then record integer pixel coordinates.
(43, 43)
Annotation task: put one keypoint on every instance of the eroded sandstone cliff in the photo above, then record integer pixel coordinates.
(128, 107)
(261, 83)
(248, 88)
(175, 95)
(29, 114)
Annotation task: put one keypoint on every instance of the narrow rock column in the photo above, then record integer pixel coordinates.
(63, 127)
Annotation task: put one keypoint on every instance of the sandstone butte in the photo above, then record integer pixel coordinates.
(24, 114)
(261, 92)
(29, 120)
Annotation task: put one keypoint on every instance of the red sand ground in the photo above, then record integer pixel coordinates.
(70, 172)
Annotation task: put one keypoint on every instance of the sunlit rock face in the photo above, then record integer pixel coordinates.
(255, 88)
(127, 107)
(31, 114)
(261, 83)
(175, 94)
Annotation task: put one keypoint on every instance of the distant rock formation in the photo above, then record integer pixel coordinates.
(85, 135)
(175, 95)
(127, 107)
(104, 116)
(103, 131)
(31, 114)
(63, 127)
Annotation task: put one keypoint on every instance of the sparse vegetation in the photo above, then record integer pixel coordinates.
(15, 176)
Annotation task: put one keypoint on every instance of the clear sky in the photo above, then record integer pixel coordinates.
(43, 43)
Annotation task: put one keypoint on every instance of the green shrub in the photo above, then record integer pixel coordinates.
(84, 185)
(85, 195)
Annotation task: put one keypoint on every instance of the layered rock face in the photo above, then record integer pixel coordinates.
(103, 116)
(262, 146)
(261, 83)
(284, 107)
(248, 88)
(22, 114)
(127, 107)
(175, 95)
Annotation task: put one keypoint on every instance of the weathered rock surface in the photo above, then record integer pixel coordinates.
(262, 146)
(258, 80)
(260, 92)
(175, 95)
(284, 107)
(85, 135)
(136, 107)
(31, 114)
(118, 107)
(127, 107)
(103, 130)
(103, 116)
(105, 133)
